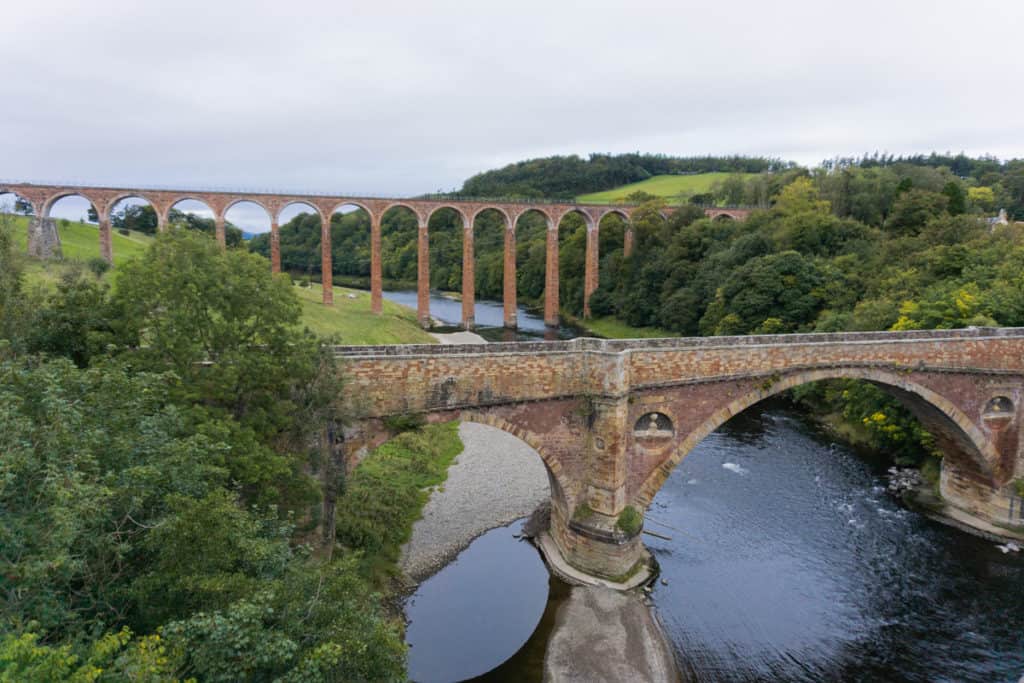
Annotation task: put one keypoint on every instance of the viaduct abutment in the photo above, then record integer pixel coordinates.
(612, 418)
(42, 197)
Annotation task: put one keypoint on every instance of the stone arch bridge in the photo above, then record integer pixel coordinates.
(612, 418)
(104, 199)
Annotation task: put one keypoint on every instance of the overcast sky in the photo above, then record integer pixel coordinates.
(401, 98)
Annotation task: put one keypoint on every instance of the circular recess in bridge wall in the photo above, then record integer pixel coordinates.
(998, 412)
(654, 426)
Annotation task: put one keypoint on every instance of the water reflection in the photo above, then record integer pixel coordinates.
(489, 317)
(478, 611)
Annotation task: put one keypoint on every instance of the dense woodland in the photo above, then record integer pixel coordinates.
(170, 518)
(568, 176)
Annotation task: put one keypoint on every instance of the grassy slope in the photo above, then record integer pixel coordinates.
(351, 321)
(668, 186)
(348, 320)
(81, 241)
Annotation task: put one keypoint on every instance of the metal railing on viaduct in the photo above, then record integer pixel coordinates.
(42, 198)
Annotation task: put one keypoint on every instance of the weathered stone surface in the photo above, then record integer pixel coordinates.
(601, 635)
(611, 419)
(43, 239)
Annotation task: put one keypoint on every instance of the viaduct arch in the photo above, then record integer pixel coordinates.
(104, 199)
(612, 419)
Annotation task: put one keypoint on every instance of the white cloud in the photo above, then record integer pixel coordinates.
(397, 98)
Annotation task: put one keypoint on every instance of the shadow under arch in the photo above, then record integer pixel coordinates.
(956, 432)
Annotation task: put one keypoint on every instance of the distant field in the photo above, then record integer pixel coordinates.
(675, 188)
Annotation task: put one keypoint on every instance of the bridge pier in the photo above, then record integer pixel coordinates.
(219, 229)
(376, 278)
(43, 238)
(468, 278)
(590, 276)
(551, 278)
(106, 241)
(596, 546)
(423, 277)
(275, 248)
(509, 278)
(326, 262)
(995, 510)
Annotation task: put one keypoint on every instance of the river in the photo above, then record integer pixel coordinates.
(489, 318)
(788, 561)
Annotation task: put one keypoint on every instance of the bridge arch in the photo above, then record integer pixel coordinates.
(57, 197)
(348, 203)
(246, 200)
(534, 211)
(561, 492)
(127, 201)
(301, 202)
(10, 198)
(622, 213)
(932, 409)
(508, 219)
(250, 215)
(467, 222)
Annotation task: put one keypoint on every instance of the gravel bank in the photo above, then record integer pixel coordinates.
(495, 480)
(602, 635)
(458, 338)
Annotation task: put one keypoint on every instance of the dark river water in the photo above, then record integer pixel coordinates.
(789, 561)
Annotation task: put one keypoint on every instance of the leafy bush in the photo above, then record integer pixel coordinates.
(98, 266)
(404, 423)
(582, 512)
(630, 521)
(386, 493)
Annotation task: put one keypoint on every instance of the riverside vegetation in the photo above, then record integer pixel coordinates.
(168, 495)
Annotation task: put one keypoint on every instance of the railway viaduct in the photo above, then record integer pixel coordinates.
(105, 199)
(612, 418)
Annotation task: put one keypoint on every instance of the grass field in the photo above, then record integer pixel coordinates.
(675, 188)
(349, 320)
(613, 328)
(81, 241)
(352, 322)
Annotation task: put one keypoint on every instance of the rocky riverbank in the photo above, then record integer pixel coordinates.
(495, 480)
(602, 635)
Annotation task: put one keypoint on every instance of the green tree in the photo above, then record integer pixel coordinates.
(913, 209)
(140, 218)
(221, 322)
(12, 303)
(780, 286)
(957, 203)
